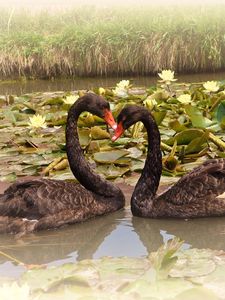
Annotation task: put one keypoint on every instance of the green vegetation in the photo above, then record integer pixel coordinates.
(169, 274)
(191, 119)
(91, 41)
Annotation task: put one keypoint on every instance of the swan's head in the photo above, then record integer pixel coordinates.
(98, 106)
(128, 116)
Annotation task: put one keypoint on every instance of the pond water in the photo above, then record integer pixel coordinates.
(23, 87)
(117, 234)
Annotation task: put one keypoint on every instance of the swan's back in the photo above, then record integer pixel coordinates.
(54, 201)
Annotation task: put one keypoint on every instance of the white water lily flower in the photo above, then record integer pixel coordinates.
(119, 92)
(101, 91)
(70, 99)
(123, 84)
(211, 86)
(121, 89)
(149, 103)
(167, 76)
(185, 98)
(10, 291)
(37, 121)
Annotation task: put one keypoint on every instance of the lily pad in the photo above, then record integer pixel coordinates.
(111, 171)
(109, 156)
(98, 133)
(185, 137)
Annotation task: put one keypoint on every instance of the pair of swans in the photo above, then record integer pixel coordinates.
(33, 205)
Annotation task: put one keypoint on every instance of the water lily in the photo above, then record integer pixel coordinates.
(37, 121)
(122, 93)
(101, 91)
(167, 76)
(123, 84)
(149, 103)
(121, 89)
(211, 86)
(70, 99)
(14, 291)
(185, 98)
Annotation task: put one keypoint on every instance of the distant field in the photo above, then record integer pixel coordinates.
(93, 41)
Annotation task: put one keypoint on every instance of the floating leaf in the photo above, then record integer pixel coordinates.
(185, 137)
(111, 171)
(197, 144)
(196, 117)
(177, 126)
(109, 156)
(84, 136)
(159, 116)
(220, 114)
(98, 133)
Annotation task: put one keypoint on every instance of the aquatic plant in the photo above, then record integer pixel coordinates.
(121, 89)
(167, 76)
(168, 273)
(184, 98)
(211, 86)
(70, 99)
(190, 120)
(112, 41)
(37, 121)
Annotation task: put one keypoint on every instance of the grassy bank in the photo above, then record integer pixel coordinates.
(89, 41)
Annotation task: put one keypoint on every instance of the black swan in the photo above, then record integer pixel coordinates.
(34, 205)
(194, 195)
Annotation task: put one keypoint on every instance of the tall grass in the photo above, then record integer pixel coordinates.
(93, 41)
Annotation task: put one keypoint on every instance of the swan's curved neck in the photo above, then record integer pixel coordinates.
(147, 185)
(78, 165)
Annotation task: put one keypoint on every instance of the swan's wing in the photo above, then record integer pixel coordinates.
(42, 197)
(204, 182)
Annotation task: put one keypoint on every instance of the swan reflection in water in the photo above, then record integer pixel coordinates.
(117, 234)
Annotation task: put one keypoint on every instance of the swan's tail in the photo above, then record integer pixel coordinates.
(10, 206)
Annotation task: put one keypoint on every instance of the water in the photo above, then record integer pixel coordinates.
(23, 87)
(117, 234)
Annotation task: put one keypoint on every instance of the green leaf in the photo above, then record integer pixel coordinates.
(159, 116)
(196, 116)
(220, 114)
(109, 156)
(197, 144)
(97, 133)
(185, 137)
(111, 171)
(84, 136)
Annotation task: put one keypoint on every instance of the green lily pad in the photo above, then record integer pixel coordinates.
(84, 136)
(196, 117)
(220, 114)
(159, 116)
(109, 156)
(111, 171)
(197, 144)
(98, 133)
(185, 137)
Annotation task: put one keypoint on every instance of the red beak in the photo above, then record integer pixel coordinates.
(108, 117)
(118, 132)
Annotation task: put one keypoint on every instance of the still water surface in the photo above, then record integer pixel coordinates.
(23, 87)
(118, 234)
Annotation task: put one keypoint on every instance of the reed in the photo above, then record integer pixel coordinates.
(91, 41)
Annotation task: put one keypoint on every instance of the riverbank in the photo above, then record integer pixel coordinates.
(89, 41)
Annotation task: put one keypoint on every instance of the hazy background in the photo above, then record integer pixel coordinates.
(58, 4)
